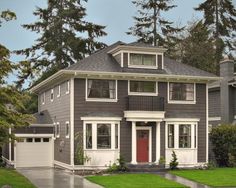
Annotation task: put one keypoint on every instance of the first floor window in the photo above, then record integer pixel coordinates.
(181, 91)
(89, 136)
(104, 89)
(103, 136)
(171, 136)
(142, 87)
(184, 136)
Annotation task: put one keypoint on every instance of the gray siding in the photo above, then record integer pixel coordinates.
(59, 110)
(159, 60)
(214, 103)
(125, 60)
(118, 58)
(198, 110)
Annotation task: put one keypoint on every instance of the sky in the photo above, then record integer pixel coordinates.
(116, 15)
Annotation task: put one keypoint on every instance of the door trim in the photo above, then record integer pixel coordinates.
(149, 129)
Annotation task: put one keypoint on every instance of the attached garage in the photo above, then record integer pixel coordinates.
(34, 151)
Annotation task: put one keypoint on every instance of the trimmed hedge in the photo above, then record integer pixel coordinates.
(223, 140)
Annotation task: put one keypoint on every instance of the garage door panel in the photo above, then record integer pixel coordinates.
(32, 154)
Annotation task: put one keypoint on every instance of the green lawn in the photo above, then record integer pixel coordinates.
(133, 181)
(14, 179)
(220, 177)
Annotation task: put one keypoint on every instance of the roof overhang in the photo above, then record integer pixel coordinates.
(66, 74)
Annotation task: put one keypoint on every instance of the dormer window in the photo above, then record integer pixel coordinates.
(147, 60)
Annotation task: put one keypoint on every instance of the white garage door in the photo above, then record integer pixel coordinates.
(34, 152)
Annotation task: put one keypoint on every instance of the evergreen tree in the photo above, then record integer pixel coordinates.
(150, 27)
(10, 98)
(220, 17)
(65, 38)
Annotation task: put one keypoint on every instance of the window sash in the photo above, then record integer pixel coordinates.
(89, 143)
(142, 87)
(181, 91)
(171, 135)
(184, 136)
(143, 59)
(105, 89)
(103, 136)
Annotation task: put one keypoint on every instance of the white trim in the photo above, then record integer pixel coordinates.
(33, 135)
(42, 98)
(144, 115)
(122, 59)
(134, 144)
(58, 131)
(207, 141)
(158, 142)
(8, 161)
(59, 91)
(52, 95)
(68, 86)
(181, 101)
(67, 123)
(64, 165)
(72, 122)
(143, 93)
(182, 120)
(150, 141)
(234, 116)
(101, 118)
(100, 99)
(214, 118)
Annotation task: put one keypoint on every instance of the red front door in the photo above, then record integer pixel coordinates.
(142, 145)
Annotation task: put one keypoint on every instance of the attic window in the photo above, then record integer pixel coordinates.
(143, 60)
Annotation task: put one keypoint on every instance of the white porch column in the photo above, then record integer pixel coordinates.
(158, 142)
(134, 143)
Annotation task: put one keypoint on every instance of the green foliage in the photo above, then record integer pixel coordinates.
(7, 15)
(210, 165)
(162, 161)
(65, 38)
(223, 140)
(220, 16)
(174, 161)
(150, 27)
(232, 160)
(120, 167)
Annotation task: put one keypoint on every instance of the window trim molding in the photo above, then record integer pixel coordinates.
(94, 134)
(43, 96)
(176, 124)
(59, 91)
(67, 87)
(181, 101)
(142, 93)
(52, 92)
(144, 53)
(57, 135)
(67, 135)
(100, 99)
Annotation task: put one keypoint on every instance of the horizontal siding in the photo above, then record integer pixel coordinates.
(214, 103)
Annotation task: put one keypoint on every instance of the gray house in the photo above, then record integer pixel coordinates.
(222, 95)
(127, 99)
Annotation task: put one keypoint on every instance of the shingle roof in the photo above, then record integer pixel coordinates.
(104, 62)
(42, 117)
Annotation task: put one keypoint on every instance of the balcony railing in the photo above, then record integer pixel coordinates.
(145, 103)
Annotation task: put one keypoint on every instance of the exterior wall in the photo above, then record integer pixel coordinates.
(118, 58)
(198, 110)
(214, 103)
(59, 110)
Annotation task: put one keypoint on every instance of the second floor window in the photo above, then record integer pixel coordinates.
(43, 98)
(142, 87)
(143, 60)
(181, 91)
(103, 89)
(52, 95)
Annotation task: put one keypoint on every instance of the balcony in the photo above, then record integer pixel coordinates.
(145, 103)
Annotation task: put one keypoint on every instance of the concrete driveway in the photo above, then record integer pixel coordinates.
(55, 178)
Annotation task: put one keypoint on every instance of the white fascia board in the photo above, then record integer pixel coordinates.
(34, 135)
(144, 115)
(101, 118)
(182, 120)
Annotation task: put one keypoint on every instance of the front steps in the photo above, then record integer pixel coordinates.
(146, 168)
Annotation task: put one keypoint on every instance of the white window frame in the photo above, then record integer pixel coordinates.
(94, 124)
(59, 91)
(144, 53)
(142, 93)
(100, 99)
(176, 124)
(42, 98)
(67, 125)
(57, 131)
(52, 98)
(181, 101)
(67, 87)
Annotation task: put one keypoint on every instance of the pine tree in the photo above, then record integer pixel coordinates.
(65, 38)
(150, 27)
(220, 17)
(10, 98)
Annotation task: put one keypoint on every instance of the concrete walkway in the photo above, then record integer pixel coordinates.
(181, 180)
(55, 178)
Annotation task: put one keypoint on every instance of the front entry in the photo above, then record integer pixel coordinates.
(142, 145)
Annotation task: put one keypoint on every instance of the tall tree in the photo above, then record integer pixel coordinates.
(65, 37)
(10, 98)
(150, 27)
(220, 17)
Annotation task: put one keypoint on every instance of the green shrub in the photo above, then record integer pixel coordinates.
(223, 140)
(174, 161)
(232, 160)
(120, 167)
(162, 161)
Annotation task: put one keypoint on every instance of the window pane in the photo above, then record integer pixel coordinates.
(143, 86)
(101, 89)
(143, 59)
(171, 136)
(116, 135)
(29, 139)
(184, 136)
(103, 136)
(181, 91)
(37, 140)
(45, 139)
(88, 136)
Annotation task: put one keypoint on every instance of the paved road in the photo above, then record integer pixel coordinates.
(55, 178)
